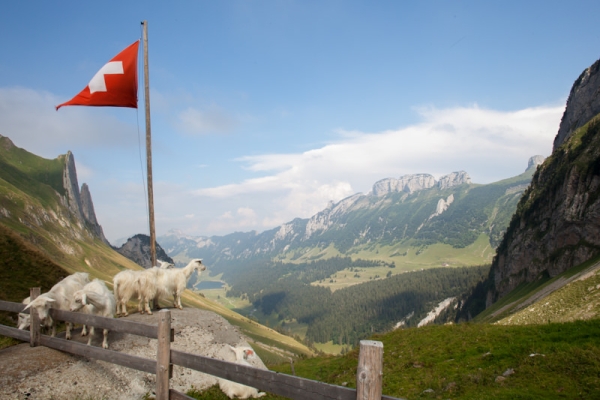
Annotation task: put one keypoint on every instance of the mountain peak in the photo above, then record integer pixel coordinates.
(535, 161)
(415, 182)
(583, 103)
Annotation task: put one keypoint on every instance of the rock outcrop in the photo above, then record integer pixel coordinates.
(535, 161)
(582, 105)
(557, 222)
(80, 204)
(453, 179)
(137, 249)
(416, 182)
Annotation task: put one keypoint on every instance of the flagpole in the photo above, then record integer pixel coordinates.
(149, 148)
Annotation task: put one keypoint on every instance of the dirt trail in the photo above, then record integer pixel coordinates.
(43, 373)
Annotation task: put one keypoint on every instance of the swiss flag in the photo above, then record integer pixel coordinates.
(114, 85)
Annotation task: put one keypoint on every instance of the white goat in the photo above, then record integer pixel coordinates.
(95, 299)
(24, 319)
(165, 264)
(173, 281)
(237, 390)
(59, 297)
(147, 288)
(127, 285)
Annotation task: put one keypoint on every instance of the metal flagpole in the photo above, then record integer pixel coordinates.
(149, 148)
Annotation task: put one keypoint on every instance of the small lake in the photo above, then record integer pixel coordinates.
(204, 285)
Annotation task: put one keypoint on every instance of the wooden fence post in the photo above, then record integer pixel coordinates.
(163, 357)
(34, 319)
(369, 375)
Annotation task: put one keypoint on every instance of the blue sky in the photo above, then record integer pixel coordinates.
(263, 111)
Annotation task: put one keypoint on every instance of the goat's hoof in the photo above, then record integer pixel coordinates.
(105, 346)
(149, 312)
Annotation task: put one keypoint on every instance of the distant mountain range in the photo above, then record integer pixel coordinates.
(402, 221)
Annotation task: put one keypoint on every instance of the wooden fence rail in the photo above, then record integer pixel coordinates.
(368, 376)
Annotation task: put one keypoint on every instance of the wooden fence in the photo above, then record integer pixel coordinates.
(368, 378)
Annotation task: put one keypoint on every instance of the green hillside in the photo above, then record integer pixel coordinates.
(41, 241)
(478, 361)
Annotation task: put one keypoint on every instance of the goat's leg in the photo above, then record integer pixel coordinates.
(124, 306)
(141, 302)
(105, 341)
(68, 334)
(89, 343)
(178, 300)
(147, 306)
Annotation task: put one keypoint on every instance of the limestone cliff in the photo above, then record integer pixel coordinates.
(79, 203)
(582, 105)
(557, 222)
(416, 182)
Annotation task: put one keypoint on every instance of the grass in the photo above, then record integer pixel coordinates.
(576, 294)
(463, 361)
(406, 258)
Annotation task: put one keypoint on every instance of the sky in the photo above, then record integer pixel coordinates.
(265, 111)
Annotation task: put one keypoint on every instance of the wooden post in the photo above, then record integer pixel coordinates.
(34, 319)
(369, 376)
(163, 357)
(149, 148)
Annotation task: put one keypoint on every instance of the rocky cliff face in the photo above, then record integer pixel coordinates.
(137, 249)
(80, 204)
(583, 103)
(416, 182)
(557, 223)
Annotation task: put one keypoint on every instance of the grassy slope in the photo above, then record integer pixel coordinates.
(575, 299)
(463, 362)
(40, 242)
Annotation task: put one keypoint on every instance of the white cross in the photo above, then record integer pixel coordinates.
(97, 84)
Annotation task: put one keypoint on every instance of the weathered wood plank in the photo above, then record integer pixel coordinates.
(163, 355)
(98, 353)
(272, 382)
(12, 307)
(112, 324)
(34, 319)
(14, 333)
(370, 370)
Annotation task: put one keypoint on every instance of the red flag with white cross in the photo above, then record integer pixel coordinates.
(114, 85)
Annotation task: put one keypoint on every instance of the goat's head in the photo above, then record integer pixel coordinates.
(79, 300)
(198, 266)
(24, 321)
(242, 352)
(42, 304)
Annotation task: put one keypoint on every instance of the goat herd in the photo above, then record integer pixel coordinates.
(77, 293)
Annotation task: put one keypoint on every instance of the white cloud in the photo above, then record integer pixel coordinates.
(243, 218)
(490, 145)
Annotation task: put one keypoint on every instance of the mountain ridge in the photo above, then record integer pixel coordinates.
(397, 215)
